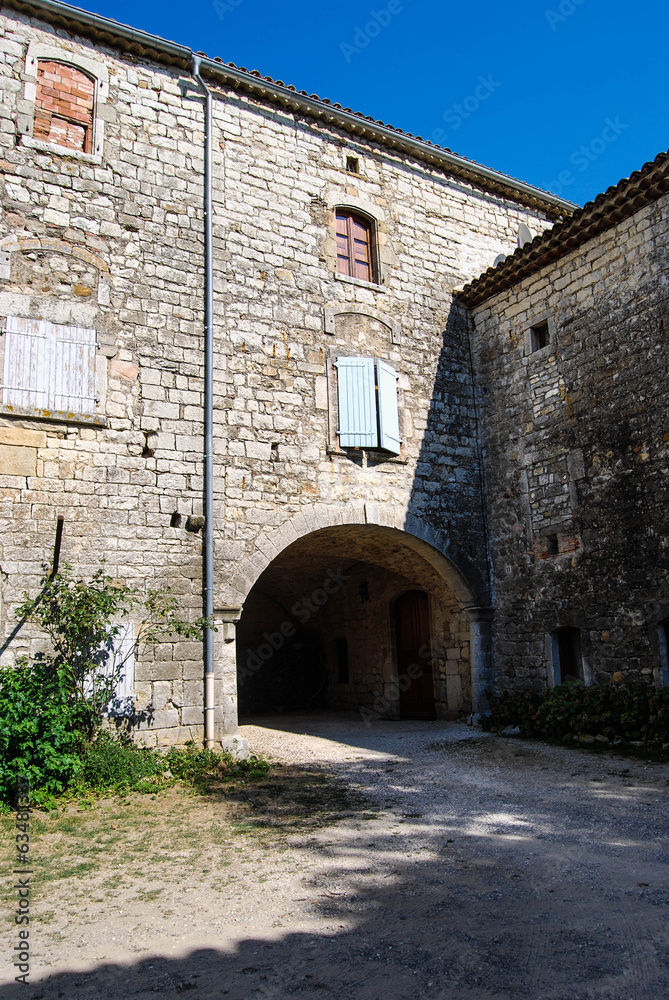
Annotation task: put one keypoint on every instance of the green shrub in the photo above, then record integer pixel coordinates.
(114, 764)
(41, 730)
(58, 759)
(634, 713)
(51, 709)
(511, 710)
(77, 616)
(200, 767)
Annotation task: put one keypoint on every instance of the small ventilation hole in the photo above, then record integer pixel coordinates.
(149, 440)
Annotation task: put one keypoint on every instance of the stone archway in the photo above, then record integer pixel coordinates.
(388, 549)
(432, 543)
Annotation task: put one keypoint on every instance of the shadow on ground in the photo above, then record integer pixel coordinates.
(517, 872)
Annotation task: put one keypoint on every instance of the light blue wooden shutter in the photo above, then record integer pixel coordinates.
(357, 403)
(389, 426)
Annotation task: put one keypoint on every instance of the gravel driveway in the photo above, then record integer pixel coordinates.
(478, 867)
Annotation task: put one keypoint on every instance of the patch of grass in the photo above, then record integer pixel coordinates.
(295, 797)
(114, 765)
(110, 850)
(248, 826)
(148, 895)
(204, 769)
(111, 764)
(67, 871)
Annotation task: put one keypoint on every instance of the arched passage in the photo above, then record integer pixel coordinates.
(318, 628)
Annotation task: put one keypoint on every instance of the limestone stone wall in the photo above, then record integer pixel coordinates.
(575, 441)
(281, 306)
(112, 240)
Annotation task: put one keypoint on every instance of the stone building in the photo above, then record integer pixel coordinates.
(570, 345)
(425, 481)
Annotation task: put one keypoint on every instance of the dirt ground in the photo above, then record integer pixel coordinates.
(385, 863)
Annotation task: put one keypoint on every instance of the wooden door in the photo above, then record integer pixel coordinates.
(414, 661)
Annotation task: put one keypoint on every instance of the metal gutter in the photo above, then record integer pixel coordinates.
(208, 555)
(142, 43)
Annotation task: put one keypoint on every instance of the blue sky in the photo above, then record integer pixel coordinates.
(570, 95)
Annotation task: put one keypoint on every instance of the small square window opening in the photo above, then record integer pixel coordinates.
(353, 164)
(540, 336)
(552, 545)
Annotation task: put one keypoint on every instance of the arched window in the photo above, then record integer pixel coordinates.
(64, 106)
(354, 245)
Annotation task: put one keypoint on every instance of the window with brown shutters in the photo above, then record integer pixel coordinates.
(354, 245)
(64, 106)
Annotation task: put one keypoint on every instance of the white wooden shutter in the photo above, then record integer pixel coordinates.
(27, 360)
(389, 426)
(49, 367)
(357, 403)
(72, 376)
(122, 702)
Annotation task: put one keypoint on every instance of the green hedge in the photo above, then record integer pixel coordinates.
(635, 713)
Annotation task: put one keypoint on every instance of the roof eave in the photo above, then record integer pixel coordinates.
(614, 206)
(141, 43)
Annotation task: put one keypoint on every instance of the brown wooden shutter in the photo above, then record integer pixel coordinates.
(354, 246)
(361, 246)
(343, 244)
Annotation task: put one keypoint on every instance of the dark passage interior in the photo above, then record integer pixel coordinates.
(567, 657)
(348, 618)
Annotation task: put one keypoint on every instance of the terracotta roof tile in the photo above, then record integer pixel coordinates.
(615, 205)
